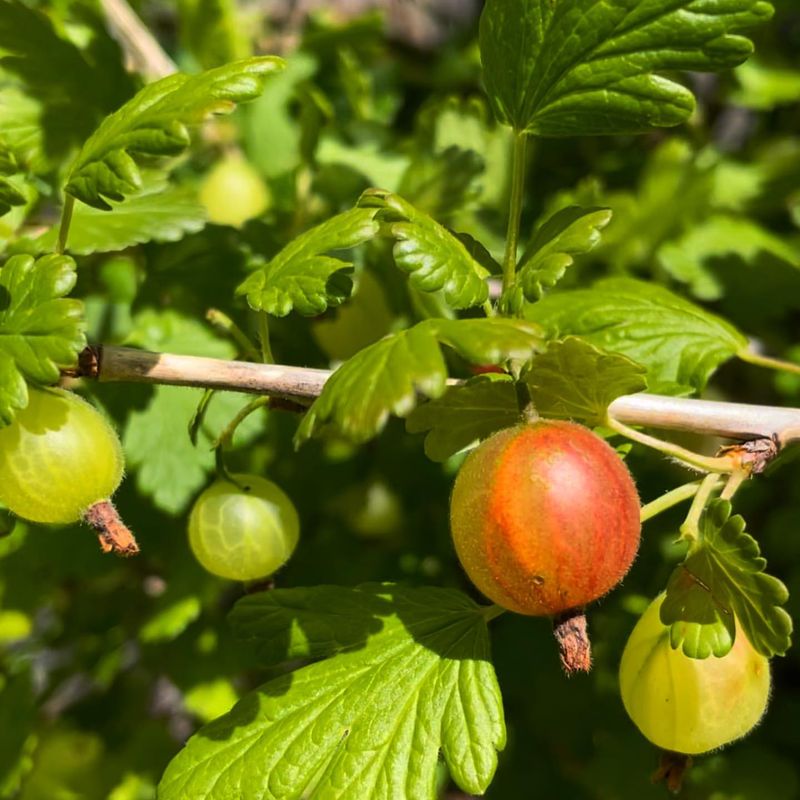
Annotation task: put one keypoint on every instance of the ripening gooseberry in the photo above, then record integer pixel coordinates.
(243, 529)
(60, 462)
(690, 705)
(545, 517)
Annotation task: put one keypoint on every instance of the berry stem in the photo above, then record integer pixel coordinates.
(668, 500)
(575, 649)
(224, 323)
(735, 480)
(114, 535)
(671, 770)
(492, 612)
(690, 530)
(688, 457)
(226, 437)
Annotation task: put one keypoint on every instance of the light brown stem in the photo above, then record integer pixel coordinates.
(731, 420)
(145, 54)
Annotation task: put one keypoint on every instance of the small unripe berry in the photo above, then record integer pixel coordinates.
(234, 192)
(688, 705)
(243, 529)
(60, 462)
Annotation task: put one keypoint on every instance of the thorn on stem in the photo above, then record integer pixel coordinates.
(114, 535)
(574, 646)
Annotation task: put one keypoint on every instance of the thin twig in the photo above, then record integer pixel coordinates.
(731, 420)
(145, 54)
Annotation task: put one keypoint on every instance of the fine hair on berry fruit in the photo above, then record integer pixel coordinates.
(545, 517)
(243, 528)
(60, 462)
(690, 705)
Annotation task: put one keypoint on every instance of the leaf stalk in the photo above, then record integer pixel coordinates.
(518, 164)
(66, 221)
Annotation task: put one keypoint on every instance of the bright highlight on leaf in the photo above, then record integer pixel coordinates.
(154, 216)
(722, 577)
(408, 677)
(303, 277)
(387, 377)
(434, 258)
(155, 124)
(40, 330)
(680, 343)
(555, 68)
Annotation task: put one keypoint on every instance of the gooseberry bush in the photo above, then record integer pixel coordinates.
(433, 356)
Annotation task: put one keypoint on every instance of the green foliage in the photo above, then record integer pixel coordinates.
(170, 475)
(723, 577)
(679, 343)
(465, 414)
(41, 331)
(211, 33)
(567, 233)
(585, 67)
(68, 78)
(9, 196)
(158, 215)
(407, 675)
(575, 380)
(434, 258)
(642, 264)
(154, 124)
(386, 377)
(690, 259)
(764, 87)
(302, 276)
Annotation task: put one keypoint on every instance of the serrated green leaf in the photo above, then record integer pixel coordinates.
(569, 232)
(40, 330)
(10, 196)
(575, 380)
(434, 258)
(411, 678)
(164, 216)
(722, 580)
(302, 277)
(386, 377)
(596, 66)
(678, 342)
(465, 414)
(168, 468)
(690, 258)
(154, 124)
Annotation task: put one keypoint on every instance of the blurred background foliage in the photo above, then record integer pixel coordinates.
(106, 666)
